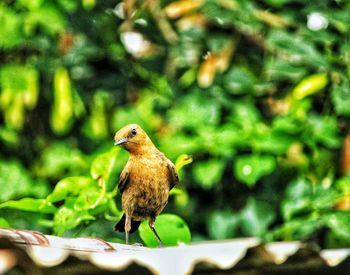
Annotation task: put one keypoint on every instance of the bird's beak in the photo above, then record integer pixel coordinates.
(120, 141)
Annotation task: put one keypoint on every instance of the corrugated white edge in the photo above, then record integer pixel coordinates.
(52, 251)
(180, 259)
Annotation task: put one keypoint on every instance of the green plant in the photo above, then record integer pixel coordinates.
(76, 201)
(256, 91)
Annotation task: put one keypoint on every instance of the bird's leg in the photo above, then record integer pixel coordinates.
(127, 227)
(151, 225)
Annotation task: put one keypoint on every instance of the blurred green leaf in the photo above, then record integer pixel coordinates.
(277, 69)
(88, 4)
(249, 169)
(256, 217)
(19, 92)
(302, 199)
(297, 229)
(208, 173)
(69, 6)
(274, 142)
(286, 124)
(90, 199)
(103, 168)
(4, 223)
(239, 81)
(97, 125)
(245, 114)
(9, 136)
(30, 4)
(11, 34)
(310, 85)
(339, 223)
(62, 113)
(277, 3)
(67, 218)
(60, 159)
(295, 49)
(47, 17)
(223, 224)
(30, 204)
(195, 111)
(16, 182)
(182, 161)
(341, 97)
(171, 229)
(297, 200)
(70, 186)
(325, 130)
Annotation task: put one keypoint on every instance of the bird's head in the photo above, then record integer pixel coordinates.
(133, 139)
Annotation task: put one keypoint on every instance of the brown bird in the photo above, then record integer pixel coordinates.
(145, 181)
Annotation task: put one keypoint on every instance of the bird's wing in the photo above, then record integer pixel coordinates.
(123, 180)
(173, 176)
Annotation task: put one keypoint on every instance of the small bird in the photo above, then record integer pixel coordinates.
(145, 181)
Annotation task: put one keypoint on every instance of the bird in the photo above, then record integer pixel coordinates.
(145, 181)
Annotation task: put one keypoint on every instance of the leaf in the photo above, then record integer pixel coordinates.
(278, 69)
(297, 229)
(4, 223)
(71, 186)
(295, 49)
(63, 111)
(208, 173)
(30, 204)
(223, 224)
(239, 81)
(297, 199)
(339, 223)
(49, 18)
(59, 159)
(96, 127)
(171, 229)
(204, 110)
(11, 34)
(104, 168)
(182, 161)
(249, 169)
(67, 218)
(274, 142)
(325, 130)
(310, 85)
(256, 217)
(286, 124)
(90, 199)
(245, 114)
(15, 182)
(302, 198)
(173, 145)
(341, 97)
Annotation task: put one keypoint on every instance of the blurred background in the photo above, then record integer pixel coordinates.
(257, 92)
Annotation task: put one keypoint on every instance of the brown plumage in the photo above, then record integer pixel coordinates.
(145, 181)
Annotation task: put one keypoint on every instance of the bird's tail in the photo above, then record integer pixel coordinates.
(120, 226)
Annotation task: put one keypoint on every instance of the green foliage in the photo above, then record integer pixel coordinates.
(171, 229)
(255, 91)
(249, 169)
(81, 198)
(4, 223)
(30, 204)
(16, 182)
(222, 224)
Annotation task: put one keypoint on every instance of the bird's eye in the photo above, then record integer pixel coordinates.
(133, 132)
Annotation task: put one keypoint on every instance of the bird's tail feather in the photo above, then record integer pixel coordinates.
(120, 226)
